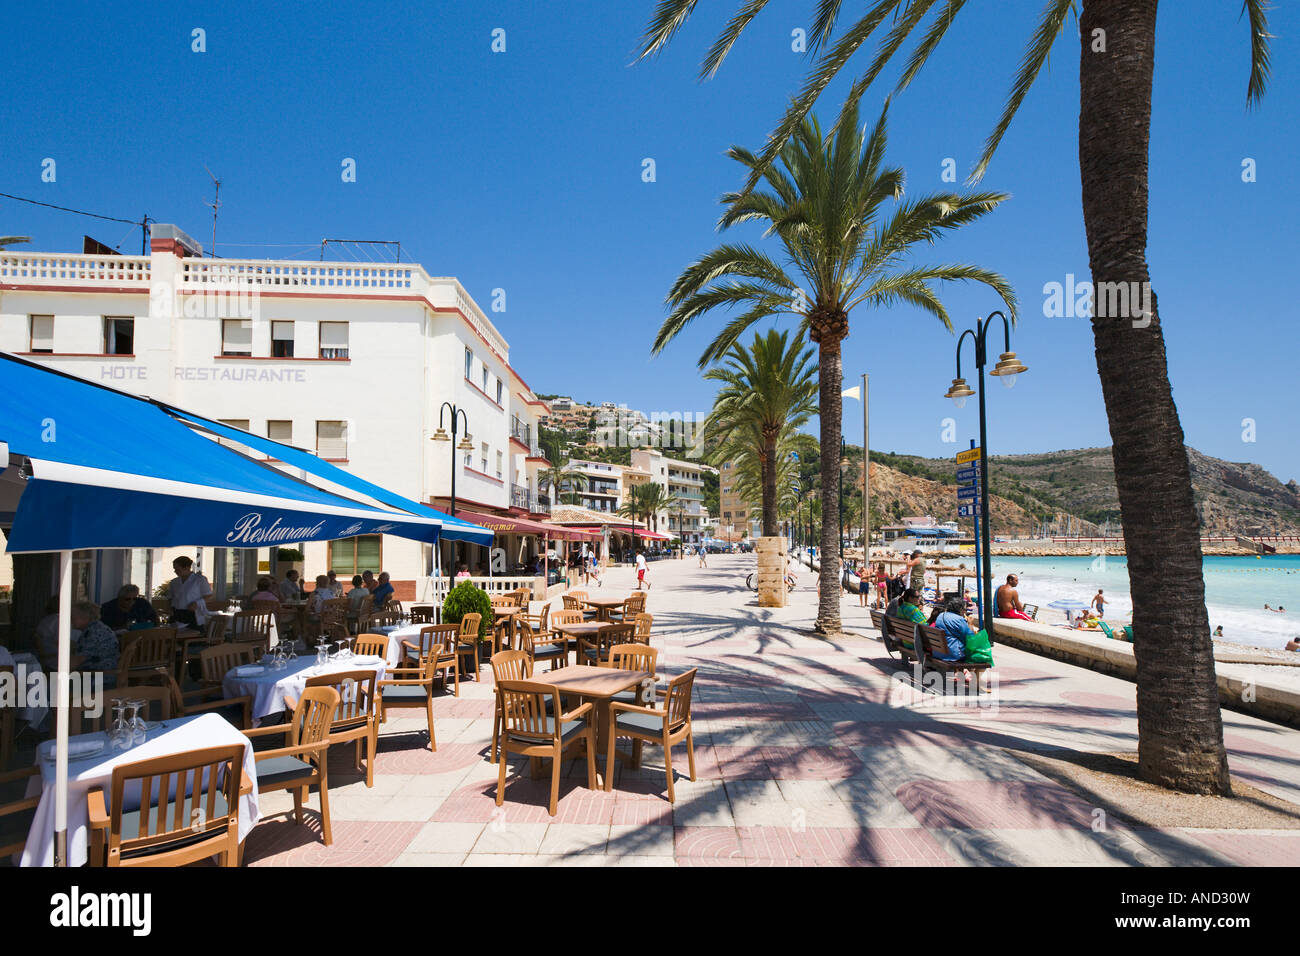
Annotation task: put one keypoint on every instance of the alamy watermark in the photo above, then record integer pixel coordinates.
(1110, 300)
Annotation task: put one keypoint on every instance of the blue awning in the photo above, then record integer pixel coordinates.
(112, 470)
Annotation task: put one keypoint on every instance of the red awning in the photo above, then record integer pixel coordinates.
(506, 524)
(651, 535)
(563, 533)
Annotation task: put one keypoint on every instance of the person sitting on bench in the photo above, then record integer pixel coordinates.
(956, 629)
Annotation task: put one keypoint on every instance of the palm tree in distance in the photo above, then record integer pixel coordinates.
(554, 478)
(768, 389)
(1180, 729)
(843, 249)
(7, 241)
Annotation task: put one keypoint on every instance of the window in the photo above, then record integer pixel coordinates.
(484, 449)
(499, 462)
(281, 431)
(500, 391)
(354, 555)
(332, 440)
(469, 362)
(119, 335)
(334, 340)
(485, 376)
(42, 333)
(236, 337)
(282, 340)
(240, 423)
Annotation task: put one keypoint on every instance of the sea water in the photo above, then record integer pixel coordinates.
(1236, 590)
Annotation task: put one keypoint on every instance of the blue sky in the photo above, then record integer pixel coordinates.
(522, 171)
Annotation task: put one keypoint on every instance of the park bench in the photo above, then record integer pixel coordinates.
(931, 642)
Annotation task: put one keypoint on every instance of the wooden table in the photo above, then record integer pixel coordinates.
(604, 605)
(576, 632)
(598, 685)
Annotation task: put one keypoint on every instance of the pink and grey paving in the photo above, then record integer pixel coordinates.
(807, 752)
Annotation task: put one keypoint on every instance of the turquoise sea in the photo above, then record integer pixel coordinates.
(1236, 590)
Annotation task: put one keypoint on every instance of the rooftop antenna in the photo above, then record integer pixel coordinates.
(215, 204)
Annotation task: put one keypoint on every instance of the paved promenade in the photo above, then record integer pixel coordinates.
(808, 752)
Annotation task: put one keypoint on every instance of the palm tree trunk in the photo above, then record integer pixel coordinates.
(830, 376)
(1180, 730)
(771, 526)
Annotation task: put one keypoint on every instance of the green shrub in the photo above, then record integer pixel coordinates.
(288, 554)
(468, 598)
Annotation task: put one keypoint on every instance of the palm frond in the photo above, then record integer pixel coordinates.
(668, 18)
(1260, 57)
(727, 38)
(1035, 56)
(921, 55)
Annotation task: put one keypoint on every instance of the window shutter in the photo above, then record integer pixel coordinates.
(368, 552)
(42, 333)
(281, 431)
(334, 340)
(332, 439)
(237, 336)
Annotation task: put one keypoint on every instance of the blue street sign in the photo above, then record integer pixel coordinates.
(970, 492)
(968, 474)
(967, 511)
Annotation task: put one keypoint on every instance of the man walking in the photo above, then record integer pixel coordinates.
(641, 568)
(1099, 602)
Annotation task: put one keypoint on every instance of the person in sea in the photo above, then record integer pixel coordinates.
(127, 609)
(1099, 602)
(1293, 644)
(1007, 600)
(1218, 631)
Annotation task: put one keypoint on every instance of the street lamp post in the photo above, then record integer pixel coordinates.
(457, 416)
(1007, 368)
(681, 528)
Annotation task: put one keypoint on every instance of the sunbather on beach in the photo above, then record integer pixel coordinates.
(1007, 600)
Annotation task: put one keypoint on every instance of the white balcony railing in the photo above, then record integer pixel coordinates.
(318, 276)
(27, 268)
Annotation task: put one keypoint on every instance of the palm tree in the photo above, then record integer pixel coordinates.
(554, 478)
(767, 389)
(1180, 729)
(646, 500)
(7, 241)
(825, 207)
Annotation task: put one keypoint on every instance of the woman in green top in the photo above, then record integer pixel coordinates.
(916, 568)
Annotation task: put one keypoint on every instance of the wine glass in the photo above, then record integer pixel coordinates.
(323, 652)
(119, 735)
(139, 729)
(290, 650)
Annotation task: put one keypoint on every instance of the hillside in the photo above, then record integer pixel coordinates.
(1077, 488)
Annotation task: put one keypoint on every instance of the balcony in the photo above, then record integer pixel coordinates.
(522, 432)
(520, 497)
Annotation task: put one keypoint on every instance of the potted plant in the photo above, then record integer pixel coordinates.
(469, 598)
(287, 559)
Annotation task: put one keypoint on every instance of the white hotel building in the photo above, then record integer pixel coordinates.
(350, 361)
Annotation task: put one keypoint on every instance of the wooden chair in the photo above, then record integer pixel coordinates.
(219, 660)
(529, 729)
(595, 650)
(634, 657)
(502, 600)
(665, 727)
(252, 628)
(555, 650)
(643, 622)
(539, 624)
(157, 697)
(334, 624)
(16, 816)
(357, 716)
(439, 641)
(635, 605)
(370, 645)
(467, 646)
(506, 665)
(423, 613)
(145, 651)
(521, 597)
(173, 827)
(303, 761)
(566, 616)
(237, 710)
(410, 687)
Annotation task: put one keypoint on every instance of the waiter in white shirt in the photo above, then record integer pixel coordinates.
(186, 593)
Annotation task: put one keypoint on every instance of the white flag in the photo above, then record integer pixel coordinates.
(854, 392)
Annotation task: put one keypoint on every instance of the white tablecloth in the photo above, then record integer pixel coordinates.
(183, 733)
(395, 652)
(26, 667)
(270, 688)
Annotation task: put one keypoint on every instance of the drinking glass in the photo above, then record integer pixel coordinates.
(323, 655)
(290, 650)
(119, 734)
(139, 729)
